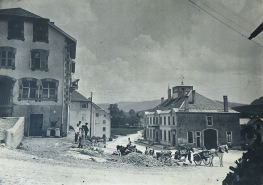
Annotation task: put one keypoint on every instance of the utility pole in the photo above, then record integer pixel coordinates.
(90, 114)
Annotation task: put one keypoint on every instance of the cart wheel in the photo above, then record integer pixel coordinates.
(206, 161)
(197, 159)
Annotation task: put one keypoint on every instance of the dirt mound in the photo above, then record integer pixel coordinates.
(140, 160)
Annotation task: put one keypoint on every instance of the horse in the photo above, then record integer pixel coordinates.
(218, 152)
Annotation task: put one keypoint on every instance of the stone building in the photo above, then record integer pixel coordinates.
(36, 68)
(80, 110)
(189, 118)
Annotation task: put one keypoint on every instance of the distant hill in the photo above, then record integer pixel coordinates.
(254, 109)
(137, 106)
(257, 101)
(145, 105)
(232, 104)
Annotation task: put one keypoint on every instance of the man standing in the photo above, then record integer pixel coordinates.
(77, 132)
(86, 129)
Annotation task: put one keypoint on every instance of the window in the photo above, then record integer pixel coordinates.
(258, 126)
(169, 135)
(209, 120)
(84, 105)
(156, 119)
(169, 121)
(97, 114)
(16, 30)
(161, 133)
(147, 133)
(161, 120)
(150, 120)
(190, 137)
(164, 135)
(164, 120)
(173, 120)
(104, 128)
(49, 90)
(40, 32)
(39, 59)
(150, 133)
(7, 57)
(105, 115)
(153, 120)
(104, 121)
(29, 89)
(229, 136)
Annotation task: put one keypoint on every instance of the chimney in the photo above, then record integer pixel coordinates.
(225, 104)
(193, 96)
(169, 93)
(162, 99)
(186, 108)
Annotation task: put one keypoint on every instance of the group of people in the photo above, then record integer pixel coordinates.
(81, 133)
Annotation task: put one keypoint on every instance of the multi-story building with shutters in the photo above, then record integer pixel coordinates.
(36, 68)
(189, 118)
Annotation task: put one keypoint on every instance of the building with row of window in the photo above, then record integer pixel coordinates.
(36, 68)
(82, 109)
(189, 118)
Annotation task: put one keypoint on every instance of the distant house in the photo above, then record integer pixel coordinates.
(81, 110)
(36, 68)
(189, 118)
(258, 125)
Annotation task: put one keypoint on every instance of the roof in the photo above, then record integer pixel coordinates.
(244, 121)
(201, 104)
(19, 12)
(254, 120)
(77, 97)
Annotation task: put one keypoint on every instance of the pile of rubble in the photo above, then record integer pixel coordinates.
(140, 160)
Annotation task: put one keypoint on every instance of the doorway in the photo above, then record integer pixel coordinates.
(36, 123)
(210, 139)
(198, 139)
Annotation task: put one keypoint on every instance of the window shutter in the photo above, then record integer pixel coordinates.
(45, 59)
(9, 30)
(32, 60)
(20, 88)
(13, 59)
(22, 31)
(34, 32)
(73, 67)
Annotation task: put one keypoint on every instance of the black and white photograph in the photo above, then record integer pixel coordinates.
(131, 92)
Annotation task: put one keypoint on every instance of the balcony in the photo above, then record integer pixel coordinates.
(74, 85)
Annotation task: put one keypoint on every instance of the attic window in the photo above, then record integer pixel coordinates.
(16, 30)
(40, 32)
(209, 120)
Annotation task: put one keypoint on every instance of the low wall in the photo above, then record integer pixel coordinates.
(14, 136)
(5, 124)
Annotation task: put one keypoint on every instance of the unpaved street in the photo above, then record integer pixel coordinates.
(19, 167)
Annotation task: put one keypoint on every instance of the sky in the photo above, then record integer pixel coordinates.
(132, 50)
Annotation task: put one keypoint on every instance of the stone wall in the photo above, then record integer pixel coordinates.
(5, 124)
(15, 135)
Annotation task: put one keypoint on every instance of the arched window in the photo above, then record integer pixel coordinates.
(49, 89)
(7, 57)
(27, 88)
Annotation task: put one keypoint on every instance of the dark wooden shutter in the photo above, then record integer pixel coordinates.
(22, 31)
(73, 67)
(33, 60)
(9, 30)
(34, 32)
(45, 59)
(20, 89)
(13, 58)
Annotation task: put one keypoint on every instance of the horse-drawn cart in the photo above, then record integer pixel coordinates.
(202, 157)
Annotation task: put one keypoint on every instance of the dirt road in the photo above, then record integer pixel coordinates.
(21, 167)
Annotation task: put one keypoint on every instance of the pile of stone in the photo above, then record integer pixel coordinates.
(140, 160)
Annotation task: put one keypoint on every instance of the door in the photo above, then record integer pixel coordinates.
(173, 140)
(36, 123)
(156, 138)
(210, 139)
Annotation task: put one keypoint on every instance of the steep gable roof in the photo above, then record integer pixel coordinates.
(19, 12)
(77, 97)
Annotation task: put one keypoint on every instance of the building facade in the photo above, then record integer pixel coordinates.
(36, 71)
(99, 121)
(188, 118)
